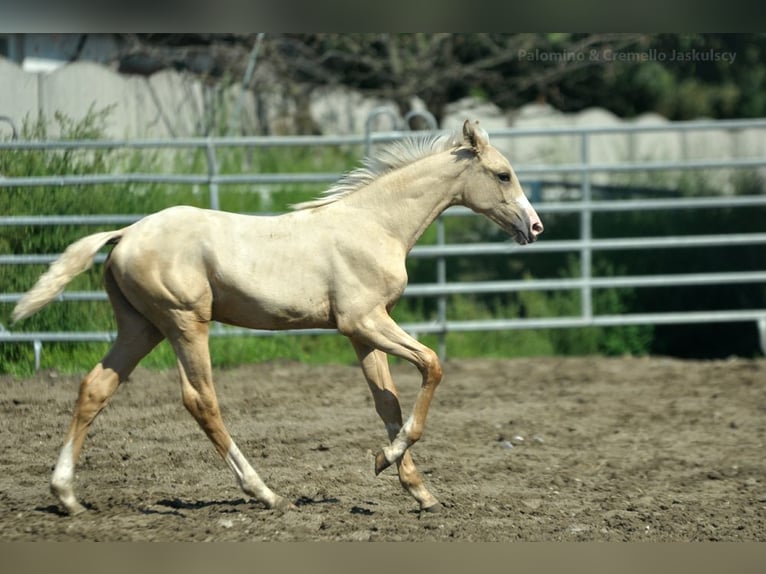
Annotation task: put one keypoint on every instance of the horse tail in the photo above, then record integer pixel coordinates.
(77, 259)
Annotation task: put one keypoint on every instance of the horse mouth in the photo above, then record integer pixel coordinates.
(524, 231)
(522, 238)
(521, 231)
(519, 227)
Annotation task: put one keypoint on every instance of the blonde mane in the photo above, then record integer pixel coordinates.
(390, 158)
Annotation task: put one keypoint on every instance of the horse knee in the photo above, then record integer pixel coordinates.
(431, 368)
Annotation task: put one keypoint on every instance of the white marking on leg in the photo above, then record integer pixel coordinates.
(399, 444)
(248, 479)
(64, 471)
(63, 477)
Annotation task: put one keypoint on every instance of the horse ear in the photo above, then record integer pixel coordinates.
(475, 137)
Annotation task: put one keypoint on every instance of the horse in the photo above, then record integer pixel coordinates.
(335, 262)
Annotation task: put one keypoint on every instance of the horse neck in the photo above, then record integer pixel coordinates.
(405, 202)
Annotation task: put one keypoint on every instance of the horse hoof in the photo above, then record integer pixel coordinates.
(433, 509)
(282, 505)
(381, 463)
(75, 509)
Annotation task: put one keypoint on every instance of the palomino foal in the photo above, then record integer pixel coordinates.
(337, 262)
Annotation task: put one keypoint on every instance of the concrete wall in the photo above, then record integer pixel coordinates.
(166, 104)
(611, 148)
(604, 148)
(18, 95)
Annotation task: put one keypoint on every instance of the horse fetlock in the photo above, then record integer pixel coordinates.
(260, 492)
(65, 495)
(381, 462)
(395, 451)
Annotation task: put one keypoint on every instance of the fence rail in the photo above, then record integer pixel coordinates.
(585, 245)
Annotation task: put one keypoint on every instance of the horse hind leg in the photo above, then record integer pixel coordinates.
(191, 347)
(136, 336)
(375, 368)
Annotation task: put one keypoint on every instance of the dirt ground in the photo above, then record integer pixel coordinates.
(576, 449)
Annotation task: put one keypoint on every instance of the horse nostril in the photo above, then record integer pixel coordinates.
(537, 228)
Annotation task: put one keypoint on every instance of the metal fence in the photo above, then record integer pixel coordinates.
(584, 204)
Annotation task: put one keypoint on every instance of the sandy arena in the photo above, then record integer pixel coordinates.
(550, 449)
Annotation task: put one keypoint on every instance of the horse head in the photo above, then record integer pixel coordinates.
(492, 188)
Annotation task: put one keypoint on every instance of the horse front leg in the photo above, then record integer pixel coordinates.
(378, 330)
(374, 365)
(412, 429)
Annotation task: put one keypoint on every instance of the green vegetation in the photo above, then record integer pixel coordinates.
(139, 199)
(142, 198)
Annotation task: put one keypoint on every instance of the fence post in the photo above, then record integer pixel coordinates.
(586, 231)
(14, 131)
(427, 116)
(441, 279)
(380, 111)
(212, 173)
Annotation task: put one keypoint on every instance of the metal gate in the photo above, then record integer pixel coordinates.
(585, 204)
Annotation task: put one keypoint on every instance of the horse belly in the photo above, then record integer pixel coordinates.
(272, 307)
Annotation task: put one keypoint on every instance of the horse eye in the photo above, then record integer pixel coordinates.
(504, 176)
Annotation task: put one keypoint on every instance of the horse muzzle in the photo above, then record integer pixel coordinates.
(526, 227)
